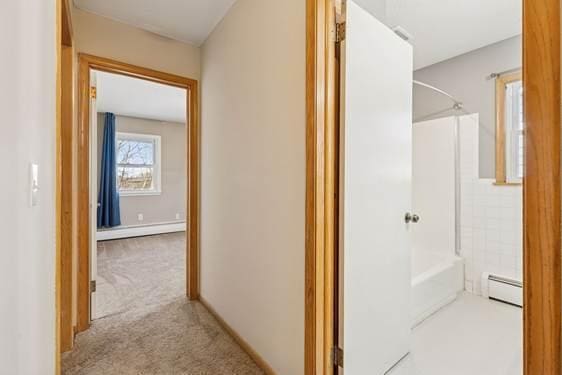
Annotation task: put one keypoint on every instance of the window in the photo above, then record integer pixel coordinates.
(509, 129)
(138, 164)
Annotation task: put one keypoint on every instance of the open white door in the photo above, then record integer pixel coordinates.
(93, 193)
(377, 173)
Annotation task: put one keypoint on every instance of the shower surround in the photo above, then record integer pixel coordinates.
(485, 233)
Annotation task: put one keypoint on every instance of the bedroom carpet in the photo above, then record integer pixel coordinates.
(149, 327)
(139, 272)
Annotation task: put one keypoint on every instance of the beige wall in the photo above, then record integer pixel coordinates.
(155, 208)
(253, 177)
(104, 37)
(27, 253)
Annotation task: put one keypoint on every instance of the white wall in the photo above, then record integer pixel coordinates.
(491, 218)
(253, 177)
(433, 186)
(464, 77)
(27, 250)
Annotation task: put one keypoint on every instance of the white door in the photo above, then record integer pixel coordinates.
(377, 173)
(94, 186)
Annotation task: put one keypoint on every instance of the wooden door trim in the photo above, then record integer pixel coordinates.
(63, 198)
(501, 167)
(67, 204)
(321, 186)
(541, 187)
(86, 64)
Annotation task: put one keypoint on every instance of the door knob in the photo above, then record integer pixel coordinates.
(414, 218)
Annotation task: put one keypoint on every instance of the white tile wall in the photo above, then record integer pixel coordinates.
(491, 217)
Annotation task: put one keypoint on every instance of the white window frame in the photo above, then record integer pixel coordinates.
(157, 166)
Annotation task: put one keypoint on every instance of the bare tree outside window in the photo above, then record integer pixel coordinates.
(136, 163)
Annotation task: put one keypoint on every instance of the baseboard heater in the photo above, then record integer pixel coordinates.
(502, 289)
(140, 230)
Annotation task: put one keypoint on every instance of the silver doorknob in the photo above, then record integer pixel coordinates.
(414, 218)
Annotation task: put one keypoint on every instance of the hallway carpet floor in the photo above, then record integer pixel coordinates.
(148, 326)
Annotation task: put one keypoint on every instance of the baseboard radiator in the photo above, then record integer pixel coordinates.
(140, 230)
(502, 289)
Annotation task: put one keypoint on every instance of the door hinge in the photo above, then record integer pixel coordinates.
(337, 356)
(340, 32)
(93, 92)
(92, 286)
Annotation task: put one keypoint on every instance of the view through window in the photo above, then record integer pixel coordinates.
(138, 157)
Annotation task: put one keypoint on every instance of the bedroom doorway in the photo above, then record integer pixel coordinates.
(138, 174)
(137, 177)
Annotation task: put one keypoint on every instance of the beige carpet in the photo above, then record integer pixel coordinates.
(140, 272)
(150, 327)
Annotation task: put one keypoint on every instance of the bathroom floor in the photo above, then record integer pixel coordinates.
(470, 336)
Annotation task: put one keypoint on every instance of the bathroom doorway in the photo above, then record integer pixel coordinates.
(495, 275)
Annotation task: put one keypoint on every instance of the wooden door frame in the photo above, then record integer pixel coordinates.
(541, 190)
(541, 187)
(86, 64)
(67, 204)
(63, 197)
(321, 136)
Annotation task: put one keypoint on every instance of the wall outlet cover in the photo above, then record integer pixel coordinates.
(140, 217)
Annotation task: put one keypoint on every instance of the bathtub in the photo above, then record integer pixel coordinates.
(436, 280)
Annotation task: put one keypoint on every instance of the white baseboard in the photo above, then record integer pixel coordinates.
(138, 231)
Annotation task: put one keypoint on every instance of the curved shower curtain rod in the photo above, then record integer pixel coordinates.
(456, 103)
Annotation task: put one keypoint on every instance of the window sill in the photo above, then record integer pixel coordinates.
(139, 193)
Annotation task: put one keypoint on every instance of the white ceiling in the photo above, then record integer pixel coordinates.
(189, 21)
(442, 29)
(135, 97)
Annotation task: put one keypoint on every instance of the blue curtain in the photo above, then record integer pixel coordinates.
(109, 214)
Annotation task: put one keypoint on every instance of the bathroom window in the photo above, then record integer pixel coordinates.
(509, 129)
(138, 164)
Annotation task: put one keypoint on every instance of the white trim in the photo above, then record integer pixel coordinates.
(93, 192)
(512, 118)
(137, 231)
(137, 193)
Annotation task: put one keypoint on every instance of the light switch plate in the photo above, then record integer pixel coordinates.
(34, 184)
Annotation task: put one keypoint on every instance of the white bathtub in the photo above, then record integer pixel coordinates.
(436, 281)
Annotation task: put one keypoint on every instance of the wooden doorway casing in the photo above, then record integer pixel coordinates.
(541, 188)
(321, 174)
(64, 166)
(541, 197)
(86, 64)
